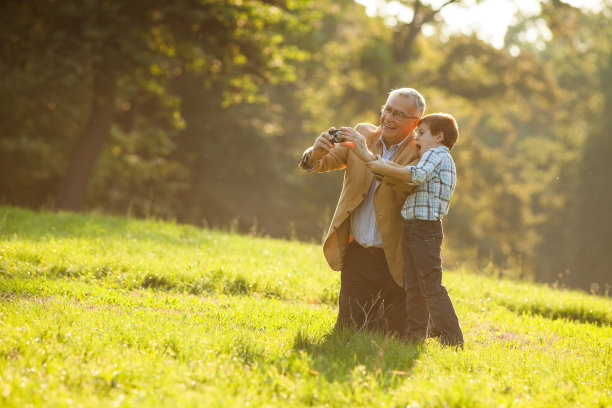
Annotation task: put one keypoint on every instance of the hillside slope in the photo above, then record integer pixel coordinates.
(100, 310)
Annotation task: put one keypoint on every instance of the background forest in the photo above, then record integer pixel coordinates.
(199, 111)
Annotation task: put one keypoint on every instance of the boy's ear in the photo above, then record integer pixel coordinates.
(439, 137)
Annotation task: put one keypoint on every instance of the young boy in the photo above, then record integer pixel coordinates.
(434, 177)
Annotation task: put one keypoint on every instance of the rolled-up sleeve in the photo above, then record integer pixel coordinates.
(425, 170)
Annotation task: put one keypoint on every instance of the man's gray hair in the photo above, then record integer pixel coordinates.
(412, 93)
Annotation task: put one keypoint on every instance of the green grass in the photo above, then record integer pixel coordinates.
(108, 311)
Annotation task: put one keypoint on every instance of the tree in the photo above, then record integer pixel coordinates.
(573, 244)
(591, 220)
(104, 45)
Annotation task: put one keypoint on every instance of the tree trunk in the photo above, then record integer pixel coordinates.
(73, 189)
(405, 35)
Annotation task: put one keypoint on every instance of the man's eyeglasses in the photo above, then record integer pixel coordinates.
(397, 115)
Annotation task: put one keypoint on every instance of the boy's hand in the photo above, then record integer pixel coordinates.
(377, 166)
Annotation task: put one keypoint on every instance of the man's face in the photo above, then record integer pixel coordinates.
(399, 117)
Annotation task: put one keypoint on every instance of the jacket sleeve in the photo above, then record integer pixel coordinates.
(338, 157)
(334, 160)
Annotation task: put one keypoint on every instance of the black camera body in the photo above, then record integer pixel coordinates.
(336, 137)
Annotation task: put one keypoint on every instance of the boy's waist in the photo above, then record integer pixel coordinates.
(424, 223)
(431, 216)
(423, 227)
(424, 209)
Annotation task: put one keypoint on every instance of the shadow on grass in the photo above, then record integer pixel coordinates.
(342, 354)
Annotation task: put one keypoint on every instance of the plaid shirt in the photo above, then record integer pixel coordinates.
(435, 177)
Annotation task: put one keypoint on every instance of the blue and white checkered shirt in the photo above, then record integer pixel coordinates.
(435, 177)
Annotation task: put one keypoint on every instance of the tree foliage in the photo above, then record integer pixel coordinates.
(199, 110)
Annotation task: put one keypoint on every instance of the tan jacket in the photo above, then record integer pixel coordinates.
(388, 201)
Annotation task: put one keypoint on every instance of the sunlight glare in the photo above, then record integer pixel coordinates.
(489, 19)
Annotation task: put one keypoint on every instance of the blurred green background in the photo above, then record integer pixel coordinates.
(199, 110)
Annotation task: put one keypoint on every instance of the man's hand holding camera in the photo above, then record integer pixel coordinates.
(324, 143)
(346, 136)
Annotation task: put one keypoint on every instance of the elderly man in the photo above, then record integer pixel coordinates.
(364, 240)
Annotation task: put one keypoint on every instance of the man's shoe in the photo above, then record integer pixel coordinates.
(416, 339)
(451, 341)
(433, 334)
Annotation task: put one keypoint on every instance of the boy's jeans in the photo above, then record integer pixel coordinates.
(425, 294)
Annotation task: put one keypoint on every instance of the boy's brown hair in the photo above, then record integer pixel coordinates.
(445, 123)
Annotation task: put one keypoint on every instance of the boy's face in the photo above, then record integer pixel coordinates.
(425, 140)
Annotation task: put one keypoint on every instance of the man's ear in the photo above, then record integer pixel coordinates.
(439, 137)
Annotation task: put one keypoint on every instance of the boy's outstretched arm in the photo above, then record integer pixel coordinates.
(389, 168)
(418, 174)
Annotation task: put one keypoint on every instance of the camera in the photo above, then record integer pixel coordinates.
(336, 137)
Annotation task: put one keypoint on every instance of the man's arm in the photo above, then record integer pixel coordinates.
(308, 162)
(324, 155)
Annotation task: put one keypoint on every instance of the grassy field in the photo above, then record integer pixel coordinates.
(108, 311)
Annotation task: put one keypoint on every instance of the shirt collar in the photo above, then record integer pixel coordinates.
(441, 147)
(392, 147)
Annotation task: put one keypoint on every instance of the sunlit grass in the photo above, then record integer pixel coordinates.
(101, 311)
(160, 255)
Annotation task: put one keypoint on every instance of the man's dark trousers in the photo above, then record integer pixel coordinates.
(426, 296)
(366, 287)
